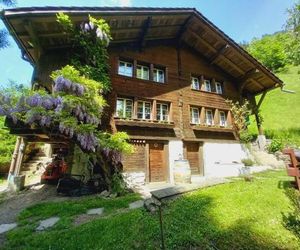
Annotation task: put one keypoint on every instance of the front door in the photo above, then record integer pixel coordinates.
(157, 162)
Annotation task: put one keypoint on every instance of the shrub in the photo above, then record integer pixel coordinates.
(276, 145)
(246, 137)
(248, 162)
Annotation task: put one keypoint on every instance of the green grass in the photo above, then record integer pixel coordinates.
(237, 215)
(281, 111)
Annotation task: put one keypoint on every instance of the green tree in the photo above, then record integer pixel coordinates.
(271, 50)
(3, 33)
(293, 28)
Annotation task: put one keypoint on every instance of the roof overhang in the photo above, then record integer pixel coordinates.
(35, 29)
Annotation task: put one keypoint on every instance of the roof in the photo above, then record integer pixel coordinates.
(37, 26)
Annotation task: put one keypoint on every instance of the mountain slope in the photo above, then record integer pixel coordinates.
(281, 111)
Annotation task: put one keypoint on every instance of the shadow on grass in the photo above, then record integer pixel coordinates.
(290, 135)
(291, 220)
(190, 224)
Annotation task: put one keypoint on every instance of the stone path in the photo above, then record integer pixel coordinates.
(95, 211)
(48, 223)
(7, 227)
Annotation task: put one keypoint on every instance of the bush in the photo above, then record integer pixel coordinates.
(276, 145)
(246, 137)
(248, 162)
(7, 145)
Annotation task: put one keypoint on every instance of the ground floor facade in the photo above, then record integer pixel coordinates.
(153, 160)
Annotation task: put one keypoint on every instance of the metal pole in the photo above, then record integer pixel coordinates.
(161, 229)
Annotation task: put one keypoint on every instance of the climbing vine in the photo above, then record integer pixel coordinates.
(73, 109)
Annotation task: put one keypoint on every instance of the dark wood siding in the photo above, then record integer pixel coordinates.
(136, 162)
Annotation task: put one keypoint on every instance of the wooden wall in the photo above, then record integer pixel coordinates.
(181, 64)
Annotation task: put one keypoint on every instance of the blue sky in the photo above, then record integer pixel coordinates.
(242, 20)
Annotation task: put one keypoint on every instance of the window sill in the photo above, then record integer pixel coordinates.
(216, 128)
(142, 80)
(209, 92)
(143, 123)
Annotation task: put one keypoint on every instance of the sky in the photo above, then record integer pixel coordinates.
(242, 20)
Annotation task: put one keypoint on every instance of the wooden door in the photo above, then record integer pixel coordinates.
(157, 162)
(193, 156)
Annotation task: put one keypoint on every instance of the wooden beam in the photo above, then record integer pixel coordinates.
(183, 29)
(219, 53)
(244, 79)
(213, 49)
(145, 30)
(33, 38)
(261, 99)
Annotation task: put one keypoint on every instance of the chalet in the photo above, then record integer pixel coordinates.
(171, 71)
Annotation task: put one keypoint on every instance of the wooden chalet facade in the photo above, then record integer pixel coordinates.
(171, 71)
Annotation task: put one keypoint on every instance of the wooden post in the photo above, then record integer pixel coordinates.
(19, 161)
(15, 155)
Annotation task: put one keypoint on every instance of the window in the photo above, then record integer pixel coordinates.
(124, 108)
(162, 112)
(142, 72)
(195, 83)
(144, 110)
(219, 88)
(207, 85)
(223, 121)
(209, 117)
(195, 116)
(125, 68)
(158, 75)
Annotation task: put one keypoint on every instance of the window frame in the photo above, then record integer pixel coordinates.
(154, 75)
(192, 115)
(125, 65)
(161, 112)
(220, 87)
(192, 85)
(205, 85)
(144, 113)
(206, 117)
(124, 108)
(142, 72)
(225, 120)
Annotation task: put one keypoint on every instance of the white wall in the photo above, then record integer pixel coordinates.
(223, 159)
(175, 152)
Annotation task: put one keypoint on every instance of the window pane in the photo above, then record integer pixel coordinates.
(147, 110)
(120, 108)
(128, 70)
(146, 73)
(139, 72)
(128, 111)
(222, 119)
(209, 117)
(207, 85)
(140, 110)
(162, 113)
(125, 68)
(158, 75)
(218, 88)
(195, 116)
(195, 83)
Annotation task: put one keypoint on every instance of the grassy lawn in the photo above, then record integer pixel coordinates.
(281, 110)
(237, 215)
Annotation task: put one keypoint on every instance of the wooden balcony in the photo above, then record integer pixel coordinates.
(143, 123)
